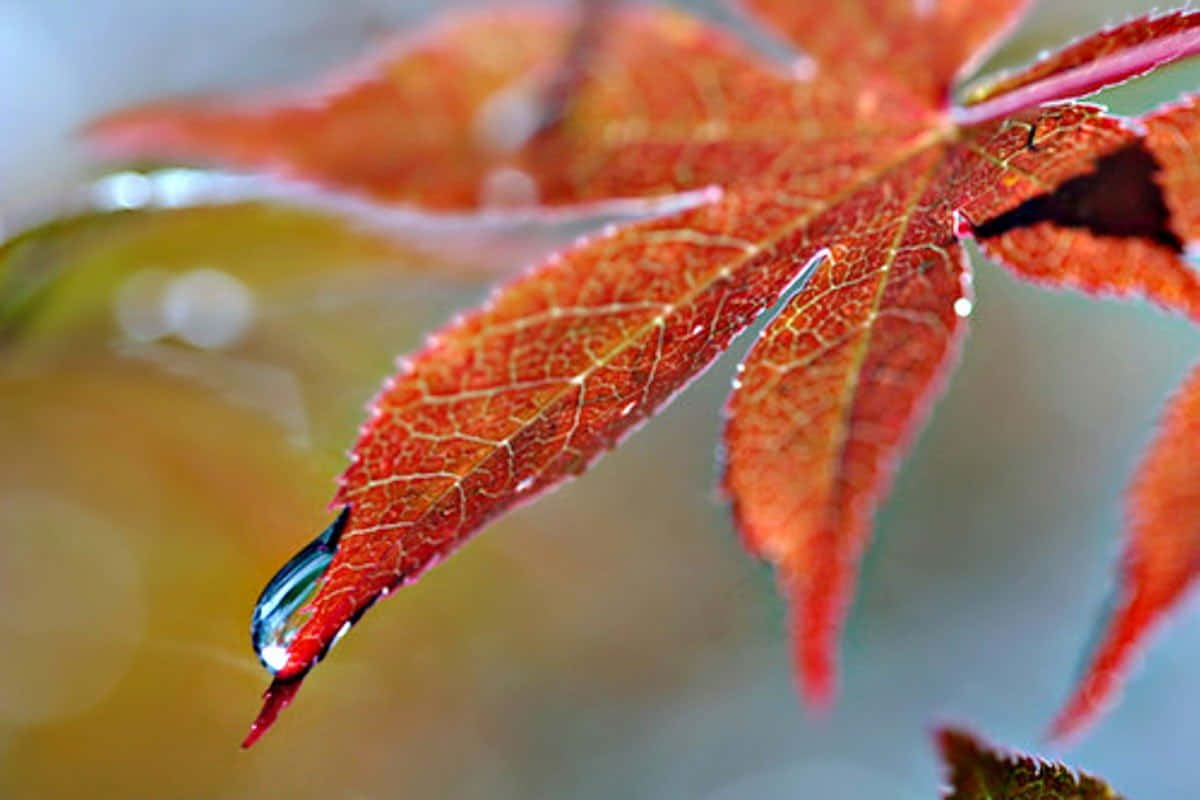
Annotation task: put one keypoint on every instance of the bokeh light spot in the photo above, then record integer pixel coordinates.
(75, 611)
(208, 308)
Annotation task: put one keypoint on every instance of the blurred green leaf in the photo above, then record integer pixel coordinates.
(58, 275)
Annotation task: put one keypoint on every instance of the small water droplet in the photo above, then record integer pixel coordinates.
(342, 631)
(282, 608)
(804, 68)
(508, 188)
(963, 307)
(507, 119)
(525, 484)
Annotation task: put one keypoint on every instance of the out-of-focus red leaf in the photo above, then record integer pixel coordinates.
(857, 177)
(921, 45)
(978, 772)
(1162, 556)
(1105, 57)
(462, 117)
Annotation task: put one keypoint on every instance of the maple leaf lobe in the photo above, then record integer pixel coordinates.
(1119, 197)
(1160, 562)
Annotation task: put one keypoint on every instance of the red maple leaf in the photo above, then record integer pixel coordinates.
(845, 185)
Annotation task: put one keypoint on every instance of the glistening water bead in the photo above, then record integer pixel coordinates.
(282, 608)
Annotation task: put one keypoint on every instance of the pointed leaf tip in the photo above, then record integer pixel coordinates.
(276, 698)
(817, 610)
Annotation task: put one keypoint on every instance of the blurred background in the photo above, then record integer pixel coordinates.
(174, 406)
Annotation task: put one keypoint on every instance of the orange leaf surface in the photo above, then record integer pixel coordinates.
(921, 46)
(1173, 138)
(854, 183)
(1108, 232)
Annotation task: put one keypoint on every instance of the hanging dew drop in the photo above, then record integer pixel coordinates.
(282, 608)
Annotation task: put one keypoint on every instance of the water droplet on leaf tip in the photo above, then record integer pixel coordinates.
(282, 608)
(274, 657)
